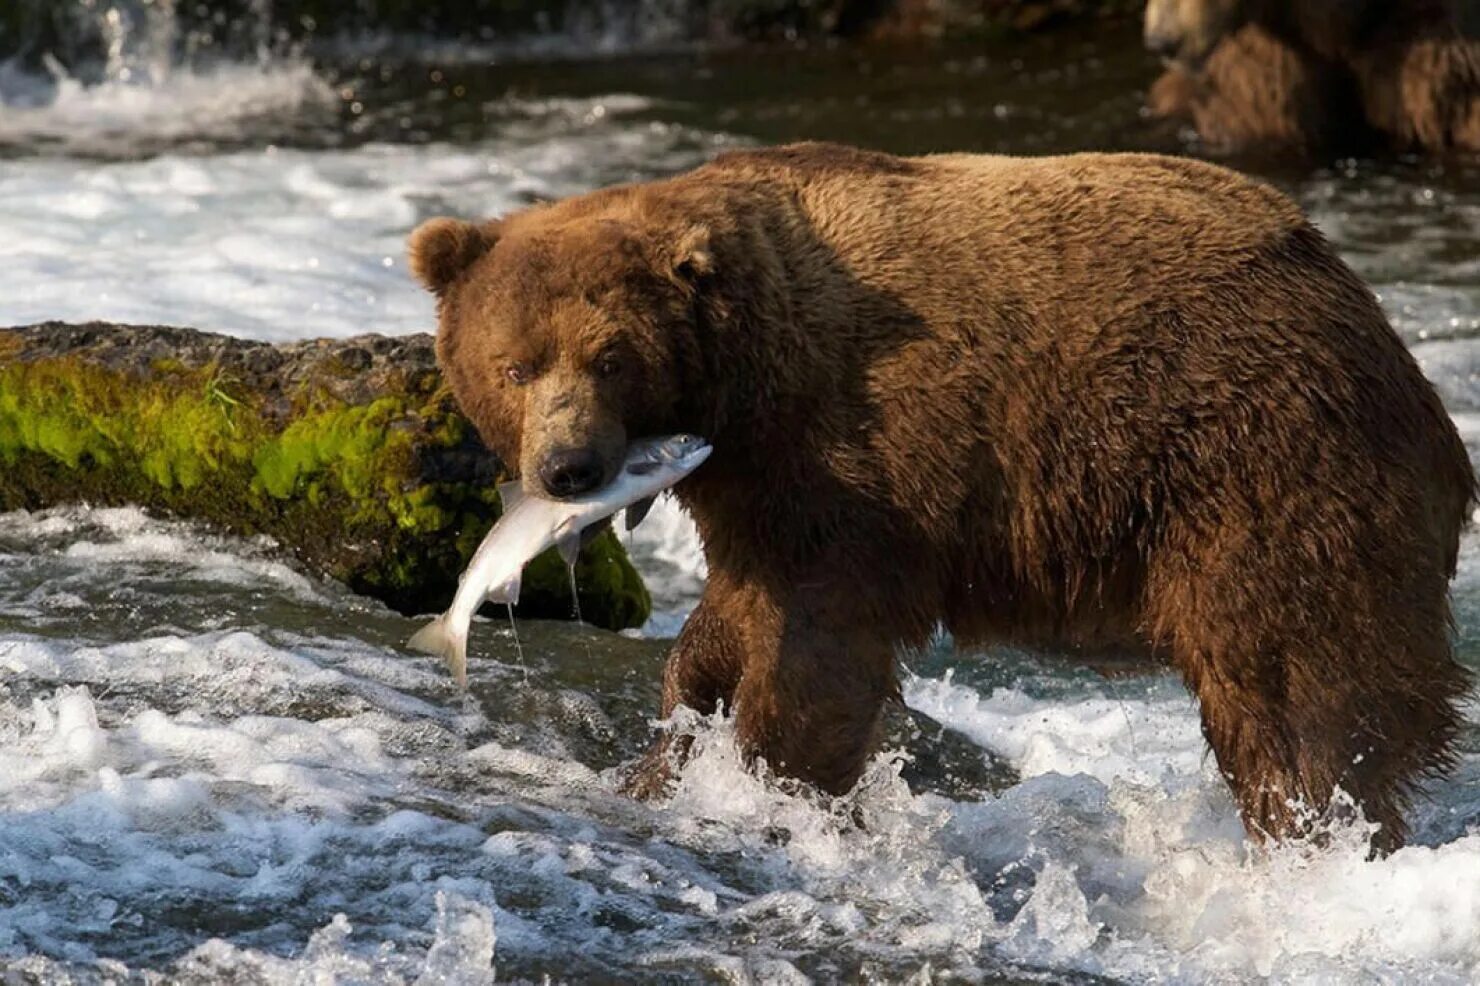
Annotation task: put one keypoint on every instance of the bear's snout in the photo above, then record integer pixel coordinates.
(1185, 31)
(1164, 45)
(571, 472)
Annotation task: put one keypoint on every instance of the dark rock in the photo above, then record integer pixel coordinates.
(349, 453)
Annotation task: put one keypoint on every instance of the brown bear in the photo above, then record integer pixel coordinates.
(1097, 403)
(1321, 75)
(1256, 92)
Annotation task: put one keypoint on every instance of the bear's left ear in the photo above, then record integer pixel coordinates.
(691, 258)
(441, 249)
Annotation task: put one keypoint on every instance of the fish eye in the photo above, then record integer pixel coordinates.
(519, 374)
(608, 366)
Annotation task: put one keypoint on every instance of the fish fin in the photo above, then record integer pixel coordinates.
(508, 593)
(638, 512)
(595, 531)
(568, 543)
(510, 494)
(439, 640)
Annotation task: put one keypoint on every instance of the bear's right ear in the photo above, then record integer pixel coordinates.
(692, 256)
(441, 249)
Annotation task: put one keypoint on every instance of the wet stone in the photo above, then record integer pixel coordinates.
(350, 454)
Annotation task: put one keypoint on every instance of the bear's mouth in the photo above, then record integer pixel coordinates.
(1191, 62)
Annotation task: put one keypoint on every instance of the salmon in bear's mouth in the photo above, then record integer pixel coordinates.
(530, 524)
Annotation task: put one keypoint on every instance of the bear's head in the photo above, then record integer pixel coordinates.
(562, 333)
(1186, 31)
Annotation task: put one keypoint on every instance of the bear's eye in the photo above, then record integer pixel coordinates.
(519, 374)
(608, 366)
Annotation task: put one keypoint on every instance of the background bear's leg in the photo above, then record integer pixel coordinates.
(701, 674)
(1173, 95)
(1316, 671)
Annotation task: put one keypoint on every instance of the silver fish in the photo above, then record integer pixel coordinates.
(531, 524)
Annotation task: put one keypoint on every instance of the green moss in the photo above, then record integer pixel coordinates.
(421, 511)
(340, 485)
(353, 445)
(611, 594)
(165, 364)
(169, 436)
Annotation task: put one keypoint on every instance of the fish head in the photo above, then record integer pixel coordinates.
(675, 449)
(562, 334)
(661, 462)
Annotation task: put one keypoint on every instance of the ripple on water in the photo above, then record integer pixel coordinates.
(270, 804)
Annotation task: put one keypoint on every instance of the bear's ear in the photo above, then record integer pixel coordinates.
(441, 249)
(691, 258)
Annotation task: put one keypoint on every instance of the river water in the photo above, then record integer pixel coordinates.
(215, 768)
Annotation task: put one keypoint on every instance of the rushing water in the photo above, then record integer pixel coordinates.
(213, 767)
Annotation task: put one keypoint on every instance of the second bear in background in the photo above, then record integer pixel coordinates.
(1318, 76)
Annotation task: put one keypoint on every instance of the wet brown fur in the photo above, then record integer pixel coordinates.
(1256, 92)
(1098, 402)
(1324, 75)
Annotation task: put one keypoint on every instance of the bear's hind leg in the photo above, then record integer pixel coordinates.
(1313, 681)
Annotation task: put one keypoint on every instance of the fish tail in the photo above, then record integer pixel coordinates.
(439, 640)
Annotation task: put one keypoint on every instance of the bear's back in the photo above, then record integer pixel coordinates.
(1078, 222)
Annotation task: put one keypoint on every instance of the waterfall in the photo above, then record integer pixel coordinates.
(143, 40)
(129, 77)
(140, 42)
(138, 38)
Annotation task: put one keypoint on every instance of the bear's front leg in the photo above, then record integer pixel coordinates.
(805, 678)
(816, 674)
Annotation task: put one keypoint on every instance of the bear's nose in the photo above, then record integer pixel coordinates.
(571, 472)
(1165, 45)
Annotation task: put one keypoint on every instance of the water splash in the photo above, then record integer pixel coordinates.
(126, 77)
(518, 644)
(138, 39)
(575, 593)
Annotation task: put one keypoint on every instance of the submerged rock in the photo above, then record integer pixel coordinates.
(348, 453)
(561, 690)
(942, 761)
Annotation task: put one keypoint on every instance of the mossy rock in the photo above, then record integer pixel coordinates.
(349, 453)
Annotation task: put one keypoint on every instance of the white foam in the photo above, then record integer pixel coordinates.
(120, 117)
(1127, 805)
(284, 244)
(1139, 736)
(95, 545)
(461, 954)
(1118, 854)
(101, 807)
